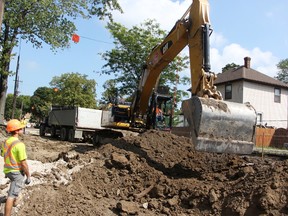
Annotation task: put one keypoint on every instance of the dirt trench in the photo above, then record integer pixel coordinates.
(154, 173)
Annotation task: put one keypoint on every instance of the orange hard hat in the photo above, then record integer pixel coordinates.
(14, 125)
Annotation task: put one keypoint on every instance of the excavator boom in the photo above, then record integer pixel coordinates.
(214, 125)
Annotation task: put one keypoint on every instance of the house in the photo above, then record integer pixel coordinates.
(267, 95)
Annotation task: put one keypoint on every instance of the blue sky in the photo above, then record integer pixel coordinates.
(256, 28)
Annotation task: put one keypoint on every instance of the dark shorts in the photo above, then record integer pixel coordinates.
(17, 183)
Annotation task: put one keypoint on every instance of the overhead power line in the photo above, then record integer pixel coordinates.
(92, 39)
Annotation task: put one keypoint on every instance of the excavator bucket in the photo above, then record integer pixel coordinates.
(219, 126)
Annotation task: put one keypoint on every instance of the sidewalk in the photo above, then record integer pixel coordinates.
(271, 151)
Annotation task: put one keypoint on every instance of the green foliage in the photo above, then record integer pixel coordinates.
(8, 106)
(176, 117)
(132, 47)
(41, 102)
(69, 89)
(102, 8)
(23, 105)
(24, 102)
(43, 21)
(110, 95)
(51, 21)
(74, 89)
(230, 67)
(282, 74)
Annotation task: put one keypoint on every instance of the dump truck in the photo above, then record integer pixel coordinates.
(71, 123)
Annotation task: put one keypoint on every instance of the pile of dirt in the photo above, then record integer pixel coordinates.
(155, 173)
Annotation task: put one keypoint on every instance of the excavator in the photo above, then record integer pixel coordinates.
(214, 125)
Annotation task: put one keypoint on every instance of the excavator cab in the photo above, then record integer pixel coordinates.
(160, 111)
(116, 116)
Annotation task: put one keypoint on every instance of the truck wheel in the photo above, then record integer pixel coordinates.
(42, 130)
(53, 131)
(97, 139)
(63, 134)
(71, 135)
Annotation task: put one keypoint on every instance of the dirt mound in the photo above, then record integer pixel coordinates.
(155, 173)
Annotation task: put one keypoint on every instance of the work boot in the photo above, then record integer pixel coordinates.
(17, 200)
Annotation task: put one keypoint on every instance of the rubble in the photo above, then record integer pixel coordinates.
(155, 173)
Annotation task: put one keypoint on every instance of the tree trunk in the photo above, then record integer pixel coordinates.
(3, 89)
(2, 4)
(5, 66)
(7, 47)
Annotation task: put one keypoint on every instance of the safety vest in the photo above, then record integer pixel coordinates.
(158, 111)
(9, 160)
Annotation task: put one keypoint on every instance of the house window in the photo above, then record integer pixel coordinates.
(228, 91)
(277, 95)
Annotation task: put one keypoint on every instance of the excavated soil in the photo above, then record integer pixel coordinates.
(154, 173)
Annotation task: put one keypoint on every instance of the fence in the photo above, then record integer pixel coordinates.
(271, 137)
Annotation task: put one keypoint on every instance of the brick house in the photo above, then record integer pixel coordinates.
(267, 95)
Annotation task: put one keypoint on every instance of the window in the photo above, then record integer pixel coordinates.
(277, 95)
(228, 91)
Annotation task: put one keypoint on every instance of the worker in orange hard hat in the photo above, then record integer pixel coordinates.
(159, 114)
(15, 164)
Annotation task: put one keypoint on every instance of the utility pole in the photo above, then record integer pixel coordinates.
(16, 86)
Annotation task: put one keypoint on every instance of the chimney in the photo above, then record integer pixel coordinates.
(247, 62)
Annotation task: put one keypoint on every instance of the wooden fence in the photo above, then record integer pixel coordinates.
(271, 137)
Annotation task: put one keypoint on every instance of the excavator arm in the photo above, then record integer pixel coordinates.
(213, 124)
(192, 29)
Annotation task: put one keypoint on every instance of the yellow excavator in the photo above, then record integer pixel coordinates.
(213, 124)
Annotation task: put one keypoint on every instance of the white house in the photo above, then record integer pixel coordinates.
(267, 95)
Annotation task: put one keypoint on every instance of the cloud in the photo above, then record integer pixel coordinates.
(269, 14)
(167, 12)
(217, 40)
(31, 65)
(164, 12)
(262, 61)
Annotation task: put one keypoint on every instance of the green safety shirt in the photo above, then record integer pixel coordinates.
(13, 151)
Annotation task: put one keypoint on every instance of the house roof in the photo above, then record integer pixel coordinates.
(249, 74)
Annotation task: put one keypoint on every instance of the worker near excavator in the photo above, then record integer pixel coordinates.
(15, 164)
(159, 114)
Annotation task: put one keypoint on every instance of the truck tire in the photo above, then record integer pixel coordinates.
(42, 130)
(97, 139)
(63, 134)
(53, 131)
(71, 135)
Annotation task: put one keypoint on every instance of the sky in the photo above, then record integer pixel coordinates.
(254, 28)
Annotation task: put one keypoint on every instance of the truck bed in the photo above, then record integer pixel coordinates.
(77, 117)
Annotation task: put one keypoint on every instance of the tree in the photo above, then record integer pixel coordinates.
(110, 95)
(69, 89)
(74, 89)
(43, 21)
(41, 102)
(282, 74)
(132, 47)
(230, 67)
(23, 106)
(8, 106)
(2, 5)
